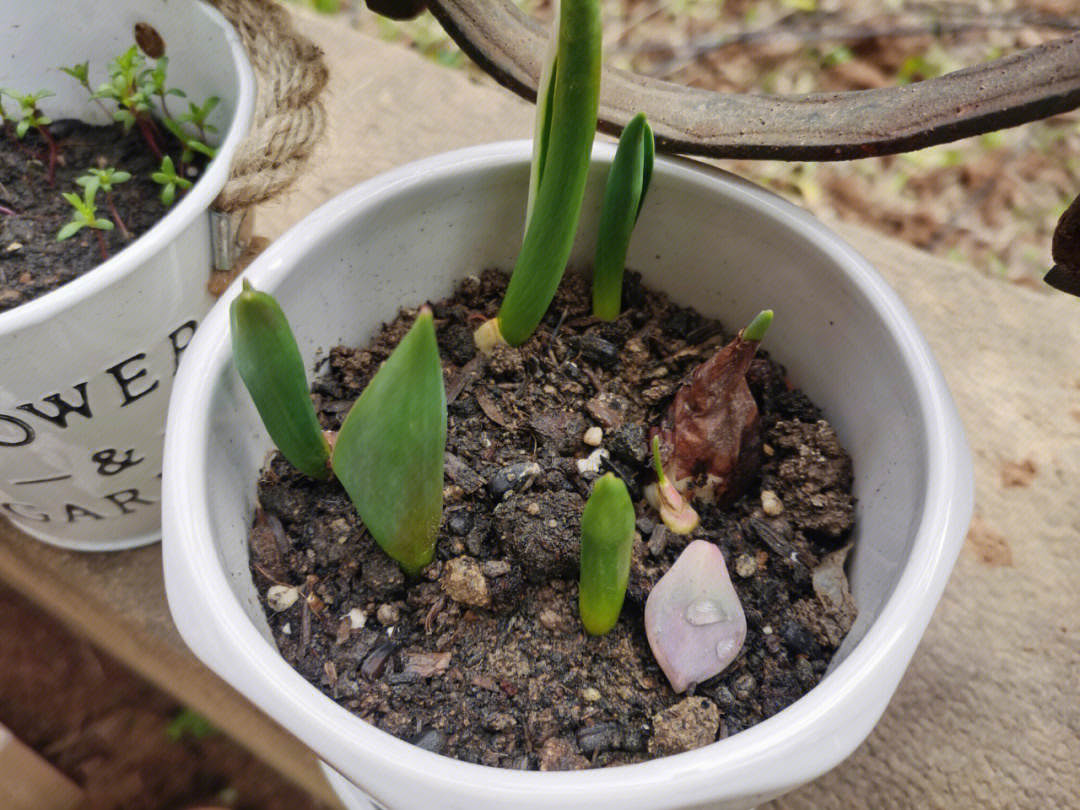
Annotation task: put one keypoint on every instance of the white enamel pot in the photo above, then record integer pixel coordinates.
(709, 240)
(86, 370)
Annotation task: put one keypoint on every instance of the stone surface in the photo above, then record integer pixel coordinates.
(693, 618)
(464, 582)
(689, 724)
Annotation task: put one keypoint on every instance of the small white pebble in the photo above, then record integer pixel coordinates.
(766, 630)
(533, 509)
(553, 524)
(281, 597)
(745, 566)
(591, 694)
(388, 615)
(770, 504)
(593, 436)
(550, 389)
(286, 629)
(592, 463)
(357, 618)
(13, 247)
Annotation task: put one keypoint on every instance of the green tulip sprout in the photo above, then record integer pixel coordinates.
(607, 539)
(628, 181)
(272, 369)
(390, 452)
(565, 126)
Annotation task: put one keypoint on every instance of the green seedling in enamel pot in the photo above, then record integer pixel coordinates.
(85, 216)
(565, 126)
(607, 540)
(627, 184)
(107, 179)
(169, 181)
(30, 117)
(390, 451)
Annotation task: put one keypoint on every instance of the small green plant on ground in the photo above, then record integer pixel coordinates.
(85, 216)
(106, 179)
(30, 117)
(169, 180)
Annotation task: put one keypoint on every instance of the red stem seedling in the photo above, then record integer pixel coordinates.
(116, 215)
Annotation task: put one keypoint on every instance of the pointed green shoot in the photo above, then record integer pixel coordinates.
(607, 540)
(758, 327)
(390, 452)
(561, 168)
(627, 183)
(272, 369)
(545, 95)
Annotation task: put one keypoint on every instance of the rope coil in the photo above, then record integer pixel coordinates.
(289, 117)
(289, 121)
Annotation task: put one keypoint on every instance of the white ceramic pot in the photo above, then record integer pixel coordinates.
(708, 239)
(86, 370)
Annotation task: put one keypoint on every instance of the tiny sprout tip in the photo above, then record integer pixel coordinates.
(758, 327)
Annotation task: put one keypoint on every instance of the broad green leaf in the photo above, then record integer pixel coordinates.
(627, 182)
(549, 235)
(607, 540)
(389, 454)
(272, 368)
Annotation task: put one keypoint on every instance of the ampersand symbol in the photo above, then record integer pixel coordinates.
(109, 464)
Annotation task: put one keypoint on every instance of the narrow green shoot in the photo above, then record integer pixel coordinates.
(272, 369)
(566, 127)
(607, 540)
(628, 181)
(390, 453)
(169, 180)
(675, 511)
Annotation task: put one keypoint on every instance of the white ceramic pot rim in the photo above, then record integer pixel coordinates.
(348, 743)
(192, 205)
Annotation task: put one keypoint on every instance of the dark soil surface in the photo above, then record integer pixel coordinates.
(483, 658)
(116, 736)
(32, 262)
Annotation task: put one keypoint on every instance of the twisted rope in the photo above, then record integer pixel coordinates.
(289, 117)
